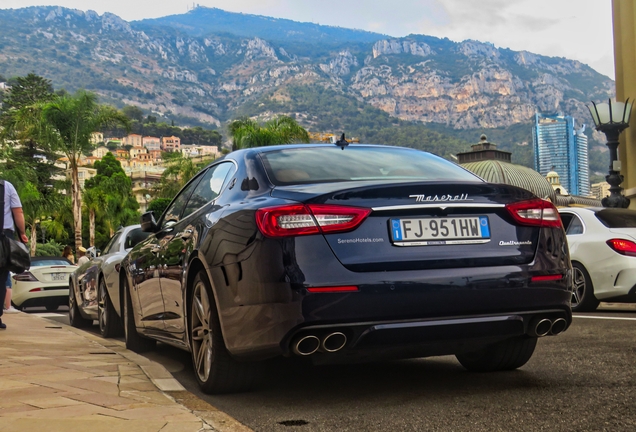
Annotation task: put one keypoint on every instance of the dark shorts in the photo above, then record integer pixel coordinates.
(4, 276)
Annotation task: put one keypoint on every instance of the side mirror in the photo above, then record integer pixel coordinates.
(148, 222)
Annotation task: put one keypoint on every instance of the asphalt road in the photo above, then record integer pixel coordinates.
(582, 380)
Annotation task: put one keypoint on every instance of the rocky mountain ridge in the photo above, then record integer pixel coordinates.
(173, 69)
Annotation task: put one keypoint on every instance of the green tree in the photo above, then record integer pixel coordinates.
(26, 91)
(21, 130)
(35, 207)
(179, 170)
(59, 222)
(133, 112)
(159, 205)
(94, 202)
(112, 190)
(247, 133)
(72, 119)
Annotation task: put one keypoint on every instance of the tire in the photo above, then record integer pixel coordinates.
(583, 299)
(506, 355)
(52, 308)
(109, 322)
(215, 369)
(134, 341)
(74, 316)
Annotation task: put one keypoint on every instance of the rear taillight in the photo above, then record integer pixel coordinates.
(333, 289)
(623, 247)
(535, 212)
(301, 219)
(546, 278)
(25, 277)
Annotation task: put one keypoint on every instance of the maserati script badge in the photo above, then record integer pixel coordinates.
(440, 198)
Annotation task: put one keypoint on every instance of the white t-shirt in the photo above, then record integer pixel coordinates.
(11, 200)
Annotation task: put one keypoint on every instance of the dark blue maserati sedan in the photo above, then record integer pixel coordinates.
(345, 254)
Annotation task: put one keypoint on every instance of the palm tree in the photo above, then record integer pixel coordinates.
(59, 220)
(248, 133)
(72, 119)
(94, 203)
(178, 172)
(33, 208)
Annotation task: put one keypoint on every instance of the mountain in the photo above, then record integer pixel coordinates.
(208, 66)
(203, 21)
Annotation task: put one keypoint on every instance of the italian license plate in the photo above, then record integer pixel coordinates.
(440, 231)
(58, 276)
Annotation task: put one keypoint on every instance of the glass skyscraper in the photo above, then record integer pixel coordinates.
(559, 147)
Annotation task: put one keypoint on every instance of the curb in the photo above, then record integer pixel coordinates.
(166, 383)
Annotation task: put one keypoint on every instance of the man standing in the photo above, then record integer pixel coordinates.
(12, 213)
(81, 253)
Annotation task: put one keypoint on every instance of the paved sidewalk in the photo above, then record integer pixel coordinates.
(56, 378)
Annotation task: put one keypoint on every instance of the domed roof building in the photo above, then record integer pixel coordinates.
(495, 166)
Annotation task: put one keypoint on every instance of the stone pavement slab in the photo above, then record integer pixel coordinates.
(56, 378)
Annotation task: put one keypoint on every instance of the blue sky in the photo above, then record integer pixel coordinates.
(575, 29)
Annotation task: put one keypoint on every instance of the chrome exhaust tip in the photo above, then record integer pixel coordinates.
(306, 345)
(558, 326)
(540, 327)
(333, 342)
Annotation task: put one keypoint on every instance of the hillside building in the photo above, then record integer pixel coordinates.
(170, 144)
(100, 152)
(116, 141)
(151, 143)
(600, 190)
(83, 174)
(136, 151)
(560, 148)
(121, 153)
(144, 181)
(96, 138)
(134, 140)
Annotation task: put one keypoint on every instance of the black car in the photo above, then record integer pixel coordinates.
(346, 254)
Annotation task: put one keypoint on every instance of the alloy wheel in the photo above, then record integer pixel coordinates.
(124, 312)
(71, 303)
(101, 305)
(201, 333)
(579, 287)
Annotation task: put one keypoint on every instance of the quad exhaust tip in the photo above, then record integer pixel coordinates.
(558, 326)
(540, 327)
(333, 342)
(306, 345)
(309, 344)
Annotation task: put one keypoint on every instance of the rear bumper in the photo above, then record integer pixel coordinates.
(404, 339)
(617, 281)
(424, 313)
(263, 300)
(23, 297)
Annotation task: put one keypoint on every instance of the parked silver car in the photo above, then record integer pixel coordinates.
(94, 292)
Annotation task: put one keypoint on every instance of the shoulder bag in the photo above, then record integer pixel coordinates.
(14, 255)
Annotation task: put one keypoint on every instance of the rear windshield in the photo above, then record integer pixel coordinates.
(50, 262)
(617, 218)
(331, 164)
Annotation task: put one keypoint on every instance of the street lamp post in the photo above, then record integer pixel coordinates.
(613, 118)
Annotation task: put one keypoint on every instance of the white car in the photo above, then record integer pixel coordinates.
(602, 244)
(44, 284)
(94, 292)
